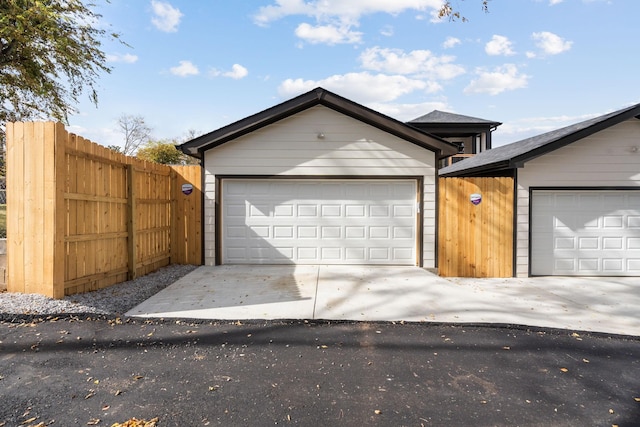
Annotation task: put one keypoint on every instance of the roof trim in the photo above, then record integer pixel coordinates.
(318, 96)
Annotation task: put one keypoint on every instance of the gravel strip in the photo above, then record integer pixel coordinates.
(116, 299)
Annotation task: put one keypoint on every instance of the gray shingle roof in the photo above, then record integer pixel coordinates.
(437, 116)
(514, 155)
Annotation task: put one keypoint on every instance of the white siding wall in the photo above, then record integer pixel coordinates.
(349, 148)
(604, 159)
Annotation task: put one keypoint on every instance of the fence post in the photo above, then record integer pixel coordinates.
(173, 234)
(35, 208)
(56, 208)
(131, 222)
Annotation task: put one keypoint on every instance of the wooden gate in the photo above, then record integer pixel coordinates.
(475, 228)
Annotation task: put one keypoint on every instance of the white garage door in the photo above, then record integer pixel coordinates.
(328, 221)
(585, 233)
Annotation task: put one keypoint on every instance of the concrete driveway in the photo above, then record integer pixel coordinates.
(412, 294)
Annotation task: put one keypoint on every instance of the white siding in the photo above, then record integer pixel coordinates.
(349, 148)
(605, 159)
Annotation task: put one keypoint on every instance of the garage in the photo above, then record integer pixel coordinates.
(309, 221)
(585, 233)
(577, 196)
(319, 179)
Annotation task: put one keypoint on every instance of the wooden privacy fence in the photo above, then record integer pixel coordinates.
(81, 217)
(475, 240)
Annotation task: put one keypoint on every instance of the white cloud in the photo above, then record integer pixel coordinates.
(344, 10)
(451, 42)
(361, 87)
(237, 72)
(499, 45)
(554, 2)
(335, 19)
(497, 81)
(387, 31)
(420, 63)
(433, 87)
(127, 58)
(186, 68)
(166, 17)
(551, 44)
(328, 34)
(280, 9)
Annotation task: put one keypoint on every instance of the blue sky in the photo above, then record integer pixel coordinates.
(534, 65)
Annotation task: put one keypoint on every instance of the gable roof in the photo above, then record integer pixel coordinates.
(516, 154)
(319, 96)
(442, 117)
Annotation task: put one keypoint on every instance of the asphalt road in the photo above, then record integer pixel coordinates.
(77, 372)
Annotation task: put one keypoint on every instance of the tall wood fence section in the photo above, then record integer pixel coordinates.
(475, 234)
(81, 217)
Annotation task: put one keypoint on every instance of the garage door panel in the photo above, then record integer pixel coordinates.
(585, 233)
(633, 266)
(633, 221)
(284, 210)
(633, 242)
(235, 210)
(331, 254)
(353, 221)
(378, 232)
(380, 211)
(354, 211)
(589, 243)
(330, 210)
(561, 243)
(259, 232)
(613, 266)
(355, 232)
(612, 242)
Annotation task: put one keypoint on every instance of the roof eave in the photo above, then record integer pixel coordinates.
(519, 161)
(492, 167)
(198, 146)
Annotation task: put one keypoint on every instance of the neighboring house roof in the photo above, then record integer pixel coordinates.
(516, 154)
(442, 117)
(319, 96)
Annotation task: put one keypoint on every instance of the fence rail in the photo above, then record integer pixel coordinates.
(81, 217)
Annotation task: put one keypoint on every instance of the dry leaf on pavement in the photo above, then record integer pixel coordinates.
(134, 422)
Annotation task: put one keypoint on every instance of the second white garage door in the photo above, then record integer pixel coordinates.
(585, 233)
(319, 221)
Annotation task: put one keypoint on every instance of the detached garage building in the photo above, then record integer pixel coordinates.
(319, 179)
(577, 196)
